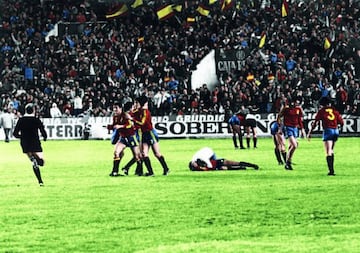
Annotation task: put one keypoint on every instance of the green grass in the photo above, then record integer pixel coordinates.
(82, 209)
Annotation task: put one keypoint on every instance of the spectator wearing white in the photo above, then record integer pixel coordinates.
(78, 105)
(7, 122)
(161, 102)
(55, 111)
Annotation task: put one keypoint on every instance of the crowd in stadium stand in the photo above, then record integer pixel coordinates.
(312, 51)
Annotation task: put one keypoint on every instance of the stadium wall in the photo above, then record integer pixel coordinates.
(176, 126)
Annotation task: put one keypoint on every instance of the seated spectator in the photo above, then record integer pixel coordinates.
(55, 111)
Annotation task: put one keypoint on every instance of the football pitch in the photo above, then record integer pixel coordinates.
(82, 209)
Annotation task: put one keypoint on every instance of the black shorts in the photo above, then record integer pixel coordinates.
(31, 146)
(250, 123)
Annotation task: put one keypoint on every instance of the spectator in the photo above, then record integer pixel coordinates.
(7, 122)
(78, 106)
(106, 56)
(55, 111)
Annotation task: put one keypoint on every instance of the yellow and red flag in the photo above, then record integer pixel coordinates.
(137, 3)
(120, 11)
(284, 9)
(226, 4)
(165, 12)
(262, 40)
(190, 19)
(178, 7)
(327, 43)
(203, 10)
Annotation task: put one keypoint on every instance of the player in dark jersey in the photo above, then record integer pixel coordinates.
(330, 119)
(279, 142)
(127, 137)
(27, 129)
(292, 121)
(248, 120)
(149, 137)
(235, 128)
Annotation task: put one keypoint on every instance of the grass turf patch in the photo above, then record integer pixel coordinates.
(82, 209)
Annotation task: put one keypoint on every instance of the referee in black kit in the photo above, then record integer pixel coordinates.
(27, 129)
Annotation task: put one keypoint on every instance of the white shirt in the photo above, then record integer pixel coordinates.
(78, 103)
(55, 112)
(204, 154)
(7, 120)
(250, 116)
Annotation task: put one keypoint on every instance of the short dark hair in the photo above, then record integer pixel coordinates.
(29, 108)
(191, 167)
(142, 100)
(117, 103)
(127, 106)
(324, 101)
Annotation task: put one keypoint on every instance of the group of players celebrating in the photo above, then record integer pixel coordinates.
(132, 127)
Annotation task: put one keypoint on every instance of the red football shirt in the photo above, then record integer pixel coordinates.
(145, 121)
(329, 117)
(128, 129)
(292, 117)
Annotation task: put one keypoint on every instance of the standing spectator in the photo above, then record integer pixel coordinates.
(161, 101)
(315, 96)
(330, 119)
(290, 64)
(27, 129)
(7, 122)
(78, 105)
(173, 83)
(341, 99)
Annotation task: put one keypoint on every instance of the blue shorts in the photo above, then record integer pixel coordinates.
(138, 135)
(150, 137)
(291, 131)
(330, 134)
(115, 136)
(234, 121)
(274, 128)
(129, 141)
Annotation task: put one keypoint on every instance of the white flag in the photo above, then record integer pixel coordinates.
(52, 32)
(92, 71)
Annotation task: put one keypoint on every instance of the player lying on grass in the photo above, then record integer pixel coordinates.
(205, 159)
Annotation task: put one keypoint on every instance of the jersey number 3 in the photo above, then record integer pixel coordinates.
(331, 115)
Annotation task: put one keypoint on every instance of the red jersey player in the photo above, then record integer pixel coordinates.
(330, 119)
(127, 136)
(292, 121)
(149, 137)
